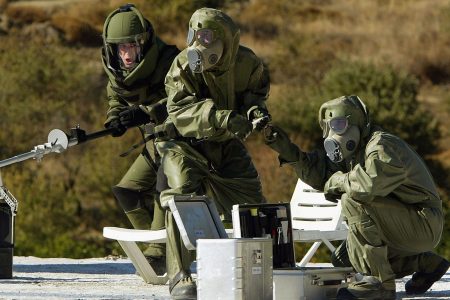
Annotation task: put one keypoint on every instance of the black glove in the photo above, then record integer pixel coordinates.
(133, 116)
(277, 139)
(260, 117)
(119, 129)
(239, 125)
(332, 197)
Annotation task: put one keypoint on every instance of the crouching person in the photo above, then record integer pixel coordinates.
(388, 197)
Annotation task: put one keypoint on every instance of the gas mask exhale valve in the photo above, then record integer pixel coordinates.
(341, 146)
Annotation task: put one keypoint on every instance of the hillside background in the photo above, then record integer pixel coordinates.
(394, 54)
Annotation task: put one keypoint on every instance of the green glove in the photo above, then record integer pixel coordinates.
(239, 125)
(334, 187)
(278, 140)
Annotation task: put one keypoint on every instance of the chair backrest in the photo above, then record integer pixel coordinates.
(311, 211)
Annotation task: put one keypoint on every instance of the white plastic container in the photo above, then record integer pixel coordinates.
(234, 269)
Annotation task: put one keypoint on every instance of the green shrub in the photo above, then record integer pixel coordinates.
(64, 201)
(391, 97)
(295, 110)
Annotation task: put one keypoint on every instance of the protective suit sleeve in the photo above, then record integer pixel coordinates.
(314, 168)
(258, 89)
(193, 117)
(384, 171)
(116, 105)
(335, 184)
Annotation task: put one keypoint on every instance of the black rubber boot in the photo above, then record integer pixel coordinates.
(182, 286)
(421, 281)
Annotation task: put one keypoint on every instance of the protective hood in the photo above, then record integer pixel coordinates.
(145, 67)
(125, 25)
(224, 30)
(350, 107)
(344, 121)
(220, 78)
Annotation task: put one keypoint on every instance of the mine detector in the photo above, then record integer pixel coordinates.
(58, 142)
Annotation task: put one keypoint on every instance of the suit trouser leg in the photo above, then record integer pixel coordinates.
(184, 177)
(388, 238)
(137, 195)
(190, 175)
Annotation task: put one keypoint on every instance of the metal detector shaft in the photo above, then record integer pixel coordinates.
(58, 141)
(17, 158)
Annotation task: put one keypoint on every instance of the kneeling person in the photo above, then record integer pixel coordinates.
(388, 197)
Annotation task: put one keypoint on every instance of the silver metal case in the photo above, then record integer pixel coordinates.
(310, 283)
(234, 269)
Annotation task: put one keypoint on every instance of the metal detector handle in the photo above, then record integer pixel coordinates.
(78, 135)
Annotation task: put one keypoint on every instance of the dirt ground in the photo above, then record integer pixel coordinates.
(103, 278)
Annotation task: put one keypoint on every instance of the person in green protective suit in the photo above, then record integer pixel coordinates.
(216, 96)
(388, 197)
(136, 62)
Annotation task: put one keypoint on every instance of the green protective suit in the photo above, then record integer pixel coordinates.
(207, 158)
(389, 199)
(143, 85)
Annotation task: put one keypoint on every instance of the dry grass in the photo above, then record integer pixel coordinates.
(3, 4)
(21, 15)
(76, 30)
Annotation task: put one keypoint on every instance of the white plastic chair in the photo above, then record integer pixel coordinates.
(315, 219)
(127, 239)
(196, 217)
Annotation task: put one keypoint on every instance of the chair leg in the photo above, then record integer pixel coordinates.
(309, 254)
(329, 245)
(141, 264)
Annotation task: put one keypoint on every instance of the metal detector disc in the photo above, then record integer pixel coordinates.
(58, 137)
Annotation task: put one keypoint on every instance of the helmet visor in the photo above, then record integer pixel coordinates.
(204, 36)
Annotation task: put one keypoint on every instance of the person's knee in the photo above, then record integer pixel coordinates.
(128, 199)
(351, 208)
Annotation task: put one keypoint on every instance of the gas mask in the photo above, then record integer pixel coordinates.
(204, 49)
(341, 139)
